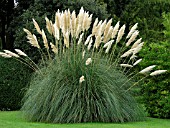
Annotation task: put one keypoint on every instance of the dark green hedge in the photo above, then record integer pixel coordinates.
(14, 78)
(156, 89)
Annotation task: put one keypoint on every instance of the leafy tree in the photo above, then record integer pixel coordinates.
(8, 11)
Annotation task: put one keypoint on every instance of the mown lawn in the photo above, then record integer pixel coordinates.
(13, 120)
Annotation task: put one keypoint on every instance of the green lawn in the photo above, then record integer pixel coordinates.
(13, 120)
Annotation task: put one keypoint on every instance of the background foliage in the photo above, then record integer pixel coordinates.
(156, 90)
(14, 81)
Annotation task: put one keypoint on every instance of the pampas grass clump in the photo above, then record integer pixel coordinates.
(84, 76)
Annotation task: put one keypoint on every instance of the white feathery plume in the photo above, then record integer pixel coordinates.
(89, 20)
(115, 29)
(132, 38)
(132, 30)
(81, 79)
(133, 56)
(87, 40)
(136, 43)
(147, 69)
(73, 24)
(120, 33)
(57, 19)
(83, 54)
(56, 32)
(32, 38)
(95, 22)
(137, 62)
(103, 26)
(157, 72)
(66, 39)
(94, 29)
(88, 61)
(97, 41)
(64, 22)
(78, 30)
(109, 34)
(80, 38)
(36, 26)
(52, 28)
(85, 20)
(53, 47)
(11, 53)
(126, 65)
(108, 25)
(109, 46)
(5, 55)
(138, 48)
(126, 54)
(45, 40)
(68, 20)
(48, 25)
(20, 52)
(90, 44)
(80, 16)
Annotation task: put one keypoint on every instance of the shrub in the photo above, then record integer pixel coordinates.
(13, 83)
(83, 81)
(155, 91)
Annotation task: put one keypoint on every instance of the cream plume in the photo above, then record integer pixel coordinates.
(37, 26)
(126, 54)
(88, 61)
(108, 25)
(157, 72)
(90, 44)
(136, 43)
(109, 46)
(120, 33)
(53, 47)
(20, 52)
(5, 55)
(48, 25)
(132, 30)
(11, 53)
(132, 38)
(138, 48)
(126, 65)
(81, 79)
(45, 40)
(32, 38)
(115, 29)
(137, 62)
(87, 40)
(56, 32)
(66, 39)
(147, 69)
(80, 38)
(97, 41)
(83, 54)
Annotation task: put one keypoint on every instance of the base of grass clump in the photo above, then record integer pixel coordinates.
(56, 94)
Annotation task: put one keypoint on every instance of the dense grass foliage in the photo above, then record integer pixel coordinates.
(57, 96)
(13, 120)
(13, 83)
